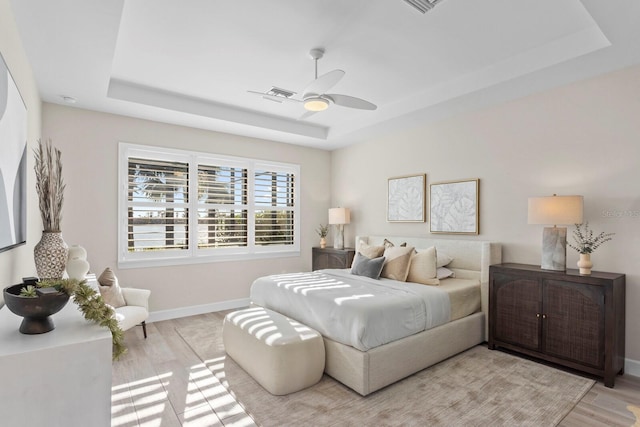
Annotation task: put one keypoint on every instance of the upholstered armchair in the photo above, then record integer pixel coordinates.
(130, 304)
(136, 309)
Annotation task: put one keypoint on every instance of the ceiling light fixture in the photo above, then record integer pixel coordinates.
(316, 104)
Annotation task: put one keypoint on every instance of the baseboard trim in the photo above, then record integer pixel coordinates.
(176, 313)
(632, 367)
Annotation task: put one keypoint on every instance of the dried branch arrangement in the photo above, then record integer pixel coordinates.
(49, 185)
(586, 242)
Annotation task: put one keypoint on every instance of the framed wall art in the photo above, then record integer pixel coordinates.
(406, 199)
(453, 207)
(13, 162)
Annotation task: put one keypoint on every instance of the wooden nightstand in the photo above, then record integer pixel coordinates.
(332, 258)
(561, 317)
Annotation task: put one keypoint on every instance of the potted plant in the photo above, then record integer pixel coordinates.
(39, 300)
(586, 244)
(50, 253)
(322, 231)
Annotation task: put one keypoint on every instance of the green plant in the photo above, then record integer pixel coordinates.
(323, 230)
(49, 185)
(28, 291)
(586, 242)
(90, 303)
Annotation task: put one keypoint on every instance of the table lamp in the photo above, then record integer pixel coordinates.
(555, 210)
(339, 217)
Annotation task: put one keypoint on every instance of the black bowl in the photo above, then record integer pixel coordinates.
(36, 311)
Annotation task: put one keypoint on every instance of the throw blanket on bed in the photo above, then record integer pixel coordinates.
(353, 310)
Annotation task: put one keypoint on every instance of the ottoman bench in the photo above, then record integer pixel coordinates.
(282, 355)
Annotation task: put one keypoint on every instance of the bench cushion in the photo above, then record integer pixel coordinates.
(282, 355)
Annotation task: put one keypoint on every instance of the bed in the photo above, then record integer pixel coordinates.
(369, 362)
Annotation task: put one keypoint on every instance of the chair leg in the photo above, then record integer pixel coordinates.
(144, 329)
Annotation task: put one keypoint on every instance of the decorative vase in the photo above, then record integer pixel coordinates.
(50, 255)
(77, 265)
(323, 242)
(36, 311)
(585, 264)
(77, 251)
(77, 268)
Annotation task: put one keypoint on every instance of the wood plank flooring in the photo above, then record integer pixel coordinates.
(162, 382)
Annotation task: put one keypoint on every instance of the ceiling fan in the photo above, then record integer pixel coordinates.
(314, 96)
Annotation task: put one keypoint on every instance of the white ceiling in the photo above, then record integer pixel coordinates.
(191, 62)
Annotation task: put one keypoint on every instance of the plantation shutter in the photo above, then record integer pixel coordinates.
(183, 207)
(274, 201)
(222, 211)
(157, 205)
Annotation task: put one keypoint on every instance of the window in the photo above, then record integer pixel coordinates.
(183, 207)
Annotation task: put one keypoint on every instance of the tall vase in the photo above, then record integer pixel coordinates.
(585, 264)
(50, 255)
(323, 242)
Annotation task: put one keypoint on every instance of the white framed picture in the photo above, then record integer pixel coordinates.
(13, 162)
(406, 198)
(453, 207)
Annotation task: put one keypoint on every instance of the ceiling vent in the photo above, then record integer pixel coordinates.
(423, 5)
(276, 91)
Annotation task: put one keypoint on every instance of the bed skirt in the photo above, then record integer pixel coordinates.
(366, 372)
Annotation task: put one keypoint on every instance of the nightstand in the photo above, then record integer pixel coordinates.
(332, 258)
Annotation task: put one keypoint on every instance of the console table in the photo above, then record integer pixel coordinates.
(560, 316)
(60, 378)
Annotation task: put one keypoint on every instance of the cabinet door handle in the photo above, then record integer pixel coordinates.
(544, 316)
(538, 315)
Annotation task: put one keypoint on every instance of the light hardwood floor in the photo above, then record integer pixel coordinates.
(162, 382)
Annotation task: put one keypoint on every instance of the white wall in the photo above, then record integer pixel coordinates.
(580, 139)
(18, 262)
(89, 144)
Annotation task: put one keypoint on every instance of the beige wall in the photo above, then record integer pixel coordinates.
(579, 139)
(89, 144)
(18, 262)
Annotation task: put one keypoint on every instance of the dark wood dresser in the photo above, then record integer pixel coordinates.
(331, 258)
(561, 317)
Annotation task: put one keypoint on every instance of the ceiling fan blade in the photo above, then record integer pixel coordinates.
(275, 98)
(323, 83)
(351, 101)
(306, 115)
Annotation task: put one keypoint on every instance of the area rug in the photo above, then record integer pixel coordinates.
(479, 387)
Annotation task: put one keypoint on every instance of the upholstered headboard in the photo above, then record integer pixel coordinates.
(471, 258)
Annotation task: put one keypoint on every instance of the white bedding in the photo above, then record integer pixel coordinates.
(353, 310)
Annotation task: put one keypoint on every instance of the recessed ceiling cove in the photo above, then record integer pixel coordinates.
(193, 62)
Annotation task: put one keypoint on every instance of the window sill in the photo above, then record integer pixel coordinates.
(162, 262)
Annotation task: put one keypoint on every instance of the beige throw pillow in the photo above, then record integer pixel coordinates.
(110, 289)
(370, 251)
(396, 265)
(423, 267)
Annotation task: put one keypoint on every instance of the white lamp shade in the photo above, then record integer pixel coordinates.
(339, 216)
(554, 210)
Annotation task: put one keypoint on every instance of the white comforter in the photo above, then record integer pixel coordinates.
(353, 310)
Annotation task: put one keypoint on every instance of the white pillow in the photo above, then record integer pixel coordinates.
(444, 272)
(423, 267)
(443, 259)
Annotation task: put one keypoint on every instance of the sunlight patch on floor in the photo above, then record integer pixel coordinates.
(145, 402)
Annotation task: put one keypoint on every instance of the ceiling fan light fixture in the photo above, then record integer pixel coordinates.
(316, 104)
